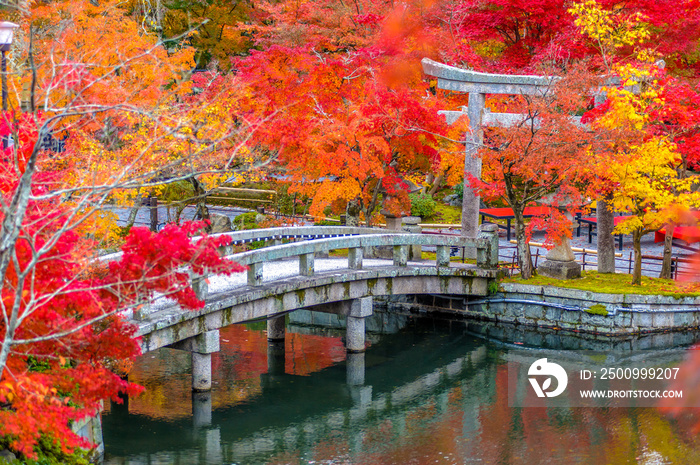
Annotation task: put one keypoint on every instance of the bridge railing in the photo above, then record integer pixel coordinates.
(316, 239)
(278, 234)
(297, 232)
(486, 245)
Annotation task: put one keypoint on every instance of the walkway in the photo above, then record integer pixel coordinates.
(649, 248)
(143, 217)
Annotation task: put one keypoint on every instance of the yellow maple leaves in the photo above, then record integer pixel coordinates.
(606, 27)
(644, 166)
(639, 166)
(612, 30)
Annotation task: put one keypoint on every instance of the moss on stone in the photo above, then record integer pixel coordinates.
(597, 309)
(371, 284)
(431, 256)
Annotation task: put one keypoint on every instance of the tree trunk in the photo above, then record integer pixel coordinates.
(9, 233)
(668, 250)
(637, 271)
(352, 212)
(201, 195)
(524, 255)
(372, 203)
(429, 180)
(178, 212)
(605, 238)
(436, 184)
(133, 212)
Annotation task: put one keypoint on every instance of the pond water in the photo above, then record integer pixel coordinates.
(430, 393)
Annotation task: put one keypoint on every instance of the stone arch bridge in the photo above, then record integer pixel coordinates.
(284, 277)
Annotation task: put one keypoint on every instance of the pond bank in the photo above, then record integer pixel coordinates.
(586, 311)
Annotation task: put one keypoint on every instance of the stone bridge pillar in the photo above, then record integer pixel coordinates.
(208, 438)
(276, 329)
(360, 393)
(201, 347)
(275, 345)
(201, 410)
(355, 365)
(411, 224)
(355, 331)
(275, 358)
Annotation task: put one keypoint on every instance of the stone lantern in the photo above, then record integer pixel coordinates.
(560, 262)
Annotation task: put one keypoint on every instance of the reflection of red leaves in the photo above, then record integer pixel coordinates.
(687, 381)
(693, 275)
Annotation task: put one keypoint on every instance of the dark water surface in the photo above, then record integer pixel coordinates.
(431, 393)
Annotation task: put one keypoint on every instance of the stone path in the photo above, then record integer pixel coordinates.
(649, 248)
(143, 217)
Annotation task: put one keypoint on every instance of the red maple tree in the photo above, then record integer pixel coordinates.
(61, 325)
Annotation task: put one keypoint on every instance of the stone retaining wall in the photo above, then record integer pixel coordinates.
(585, 311)
(90, 428)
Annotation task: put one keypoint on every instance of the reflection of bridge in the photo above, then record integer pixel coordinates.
(275, 285)
(385, 386)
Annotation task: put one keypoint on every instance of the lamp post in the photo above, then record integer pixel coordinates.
(7, 30)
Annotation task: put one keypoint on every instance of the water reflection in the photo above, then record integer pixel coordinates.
(430, 393)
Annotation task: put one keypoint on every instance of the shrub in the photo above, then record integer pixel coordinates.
(493, 287)
(459, 190)
(48, 452)
(245, 221)
(422, 205)
(289, 204)
(178, 191)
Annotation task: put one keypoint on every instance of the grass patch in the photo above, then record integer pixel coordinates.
(446, 214)
(432, 256)
(616, 284)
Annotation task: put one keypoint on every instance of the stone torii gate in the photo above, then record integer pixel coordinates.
(478, 85)
(560, 261)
